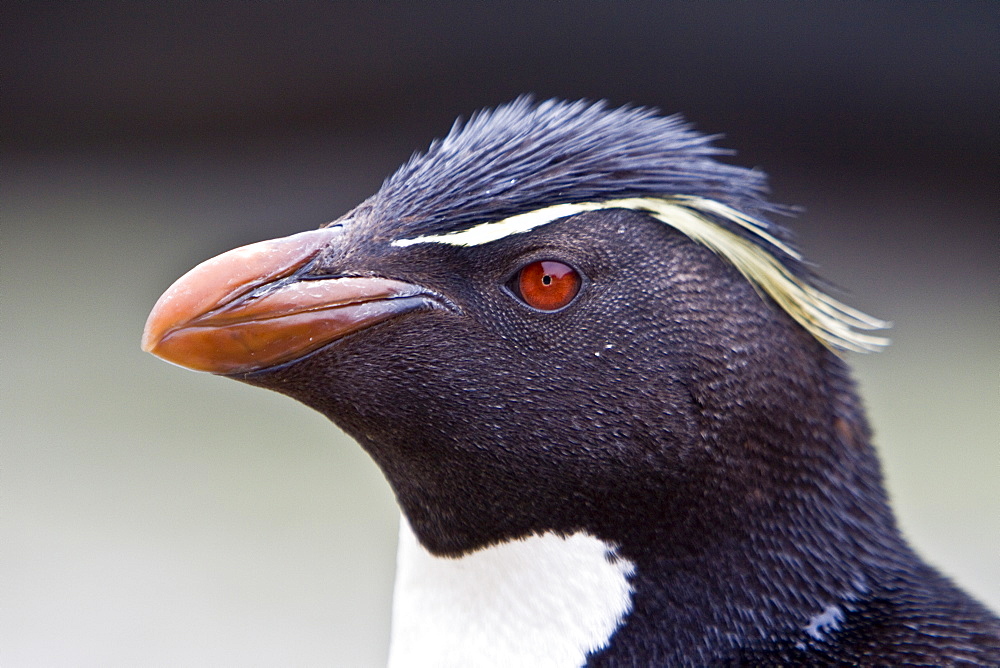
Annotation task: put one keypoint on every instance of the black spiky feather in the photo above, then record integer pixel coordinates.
(524, 156)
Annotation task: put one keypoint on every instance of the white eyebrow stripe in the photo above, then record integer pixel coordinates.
(489, 232)
(833, 323)
(485, 233)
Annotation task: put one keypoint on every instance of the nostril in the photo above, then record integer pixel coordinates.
(335, 226)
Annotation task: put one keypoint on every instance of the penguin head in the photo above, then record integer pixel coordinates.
(559, 316)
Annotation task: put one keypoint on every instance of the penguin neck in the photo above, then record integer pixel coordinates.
(779, 530)
(783, 554)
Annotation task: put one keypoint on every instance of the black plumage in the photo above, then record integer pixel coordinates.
(522, 156)
(672, 408)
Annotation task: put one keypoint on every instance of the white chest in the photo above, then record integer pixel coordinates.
(540, 601)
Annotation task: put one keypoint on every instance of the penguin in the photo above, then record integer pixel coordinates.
(609, 394)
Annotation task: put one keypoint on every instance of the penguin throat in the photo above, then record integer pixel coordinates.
(542, 600)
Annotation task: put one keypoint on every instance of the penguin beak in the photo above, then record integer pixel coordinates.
(253, 308)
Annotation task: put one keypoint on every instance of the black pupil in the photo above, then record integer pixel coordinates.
(546, 280)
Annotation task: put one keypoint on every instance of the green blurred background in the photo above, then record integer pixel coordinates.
(154, 516)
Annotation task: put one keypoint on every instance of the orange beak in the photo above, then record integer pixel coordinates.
(245, 310)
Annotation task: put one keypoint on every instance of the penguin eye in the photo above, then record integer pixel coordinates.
(547, 285)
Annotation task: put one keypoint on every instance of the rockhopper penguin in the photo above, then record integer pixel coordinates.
(608, 395)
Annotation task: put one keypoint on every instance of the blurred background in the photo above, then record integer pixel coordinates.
(154, 516)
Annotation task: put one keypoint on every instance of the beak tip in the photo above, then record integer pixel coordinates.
(159, 321)
(148, 343)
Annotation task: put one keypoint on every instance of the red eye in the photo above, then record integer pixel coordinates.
(548, 285)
